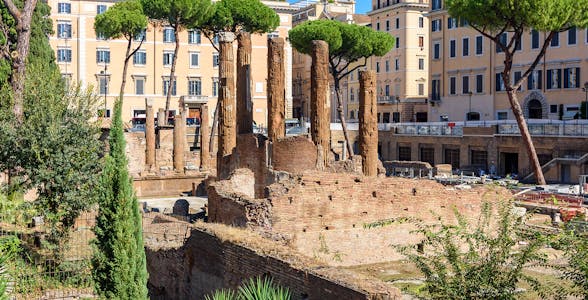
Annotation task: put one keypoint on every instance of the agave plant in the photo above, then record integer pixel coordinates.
(254, 289)
(5, 282)
(222, 295)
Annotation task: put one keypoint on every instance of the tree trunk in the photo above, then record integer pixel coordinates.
(342, 118)
(172, 74)
(244, 104)
(23, 28)
(526, 136)
(124, 74)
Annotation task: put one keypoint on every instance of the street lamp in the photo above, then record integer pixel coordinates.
(585, 89)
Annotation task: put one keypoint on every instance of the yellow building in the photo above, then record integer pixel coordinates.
(465, 66)
(403, 72)
(94, 62)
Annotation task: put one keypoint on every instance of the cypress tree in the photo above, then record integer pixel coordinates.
(119, 266)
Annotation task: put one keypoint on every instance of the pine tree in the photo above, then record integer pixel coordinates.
(119, 266)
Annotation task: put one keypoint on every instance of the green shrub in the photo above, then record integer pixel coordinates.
(254, 289)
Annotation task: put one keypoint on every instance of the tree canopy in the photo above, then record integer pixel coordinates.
(180, 13)
(242, 15)
(123, 19)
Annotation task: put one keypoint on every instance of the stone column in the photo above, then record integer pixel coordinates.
(204, 138)
(276, 89)
(368, 123)
(244, 103)
(227, 138)
(149, 135)
(320, 120)
(179, 142)
(160, 117)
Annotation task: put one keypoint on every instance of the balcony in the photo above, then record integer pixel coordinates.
(195, 99)
(386, 100)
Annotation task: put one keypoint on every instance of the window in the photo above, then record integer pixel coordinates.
(194, 87)
(499, 83)
(352, 95)
(64, 8)
(387, 25)
(140, 58)
(168, 58)
(534, 80)
(571, 78)
(502, 115)
(452, 157)
(421, 41)
(436, 50)
(397, 42)
(194, 37)
(166, 86)
(451, 23)
(397, 23)
(534, 39)
(215, 60)
(479, 158)
(421, 88)
(465, 84)
(100, 8)
(387, 66)
(421, 22)
(64, 30)
(479, 83)
(386, 117)
(64, 55)
(387, 90)
(103, 56)
(437, 4)
(479, 45)
(553, 108)
(436, 25)
(465, 46)
(428, 155)
(352, 115)
(554, 79)
(517, 77)
(421, 63)
(404, 153)
(519, 44)
(141, 36)
(103, 85)
(436, 89)
(100, 36)
(378, 26)
(377, 67)
(555, 40)
(452, 86)
(168, 35)
(139, 85)
(215, 86)
(503, 41)
(572, 36)
(194, 59)
(452, 48)
(396, 117)
(397, 64)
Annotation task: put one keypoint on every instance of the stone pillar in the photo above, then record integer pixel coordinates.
(204, 138)
(320, 120)
(368, 123)
(244, 103)
(149, 135)
(179, 142)
(276, 105)
(227, 138)
(160, 117)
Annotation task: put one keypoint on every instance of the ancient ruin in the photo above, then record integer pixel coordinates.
(227, 138)
(320, 117)
(368, 123)
(276, 101)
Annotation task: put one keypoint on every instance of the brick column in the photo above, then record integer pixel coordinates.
(149, 135)
(275, 89)
(320, 120)
(244, 104)
(161, 117)
(204, 138)
(179, 142)
(227, 138)
(368, 123)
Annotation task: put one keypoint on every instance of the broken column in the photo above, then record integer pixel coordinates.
(368, 123)
(161, 117)
(149, 135)
(319, 98)
(275, 89)
(244, 104)
(204, 135)
(179, 142)
(227, 138)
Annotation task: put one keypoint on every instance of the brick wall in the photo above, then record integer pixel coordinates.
(213, 259)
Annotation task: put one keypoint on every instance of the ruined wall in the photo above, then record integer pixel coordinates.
(214, 257)
(294, 154)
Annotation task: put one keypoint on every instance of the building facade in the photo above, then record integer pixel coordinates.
(97, 63)
(465, 69)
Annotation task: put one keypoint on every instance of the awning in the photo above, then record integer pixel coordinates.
(569, 115)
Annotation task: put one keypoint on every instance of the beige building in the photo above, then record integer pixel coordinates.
(97, 63)
(465, 69)
(403, 72)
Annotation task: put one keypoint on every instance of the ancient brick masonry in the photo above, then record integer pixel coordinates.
(275, 89)
(149, 135)
(320, 106)
(204, 140)
(244, 104)
(227, 113)
(368, 123)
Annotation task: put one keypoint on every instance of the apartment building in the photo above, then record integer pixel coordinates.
(465, 68)
(403, 72)
(95, 62)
